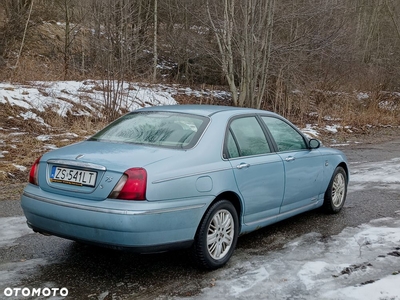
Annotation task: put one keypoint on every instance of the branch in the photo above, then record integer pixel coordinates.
(23, 40)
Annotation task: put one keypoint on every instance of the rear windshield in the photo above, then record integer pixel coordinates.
(165, 129)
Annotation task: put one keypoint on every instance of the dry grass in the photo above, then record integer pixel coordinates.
(11, 191)
(87, 125)
(55, 121)
(20, 145)
(42, 60)
(22, 141)
(42, 56)
(28, 67)
(204, 100)
(346, 109)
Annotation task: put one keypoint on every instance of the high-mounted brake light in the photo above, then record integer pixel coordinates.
(131, 186)
(33, 174)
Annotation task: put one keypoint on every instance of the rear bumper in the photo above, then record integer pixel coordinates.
(141, 226)
(124, 247)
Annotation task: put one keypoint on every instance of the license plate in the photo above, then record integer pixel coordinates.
(73, 176)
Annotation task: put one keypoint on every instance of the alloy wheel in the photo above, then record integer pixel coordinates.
(220, 234)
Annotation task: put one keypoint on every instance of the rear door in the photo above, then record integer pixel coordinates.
(258, 171)
(303, 166)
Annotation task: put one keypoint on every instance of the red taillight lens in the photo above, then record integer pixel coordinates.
(33, 174)
(131, 186)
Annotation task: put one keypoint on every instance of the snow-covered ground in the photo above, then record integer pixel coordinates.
(89, 97)
(359, 263)
(24, 106)
(84, 98)
(27, 105)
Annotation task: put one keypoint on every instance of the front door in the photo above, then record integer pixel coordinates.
(303, 166)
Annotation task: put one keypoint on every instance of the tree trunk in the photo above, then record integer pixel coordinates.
(155, 46)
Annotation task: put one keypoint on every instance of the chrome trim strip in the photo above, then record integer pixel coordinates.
(262, 220)
(192, 174)
(111, 211)
(280, 215)
(76, 164)
(168, 210)
(251, 156)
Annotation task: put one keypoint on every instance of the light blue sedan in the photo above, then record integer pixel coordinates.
(192, 176)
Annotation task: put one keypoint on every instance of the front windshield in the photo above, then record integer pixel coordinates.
(165, 129)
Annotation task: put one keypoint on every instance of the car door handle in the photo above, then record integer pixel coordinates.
(290, 158)
(242, 166)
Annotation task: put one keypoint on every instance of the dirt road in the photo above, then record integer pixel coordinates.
(34, 260)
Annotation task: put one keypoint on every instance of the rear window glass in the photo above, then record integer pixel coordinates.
(165, 129)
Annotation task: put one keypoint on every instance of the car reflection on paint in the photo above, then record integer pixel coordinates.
(181, 176)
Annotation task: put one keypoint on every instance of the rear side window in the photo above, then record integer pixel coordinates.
(285, 136)
(245, 138)
(165, 129)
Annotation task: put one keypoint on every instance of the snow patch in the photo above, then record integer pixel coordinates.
(356, 264)
(19, 167)
(11, 229)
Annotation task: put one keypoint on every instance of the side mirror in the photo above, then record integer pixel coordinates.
(314, 144)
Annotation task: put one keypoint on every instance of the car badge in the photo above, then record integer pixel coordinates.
(79, 156)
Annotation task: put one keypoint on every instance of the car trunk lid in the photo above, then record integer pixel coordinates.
(91, 169)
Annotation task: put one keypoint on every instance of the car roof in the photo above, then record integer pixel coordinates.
(203, 110)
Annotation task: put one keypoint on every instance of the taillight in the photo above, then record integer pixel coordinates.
(33, 174)
(131, 186)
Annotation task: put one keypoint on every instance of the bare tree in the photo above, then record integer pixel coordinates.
(24, 35)
(244, 42)
(155, 43)
(118, 41)
(264, 49)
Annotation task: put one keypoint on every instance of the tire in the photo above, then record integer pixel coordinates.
(216, 236)
(335, 194)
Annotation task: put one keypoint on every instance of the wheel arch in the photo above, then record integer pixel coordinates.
(200, 250)
(345, 168)
(234, 199)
